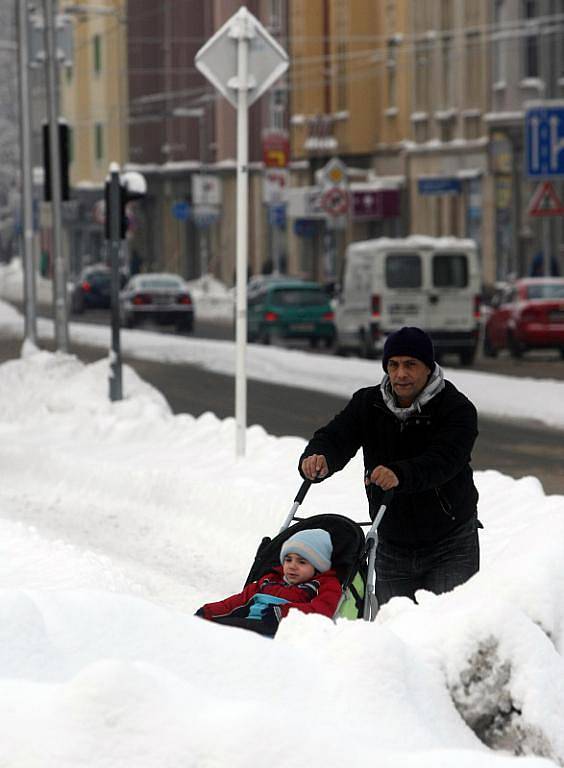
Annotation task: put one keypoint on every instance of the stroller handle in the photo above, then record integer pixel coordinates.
(301, 494)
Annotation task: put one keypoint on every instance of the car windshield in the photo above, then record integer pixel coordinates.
(546, 291)
(159, 283)
(98, 278)
(292, 297)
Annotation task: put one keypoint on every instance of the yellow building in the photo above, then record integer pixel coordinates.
(349, 98)
(94, 91)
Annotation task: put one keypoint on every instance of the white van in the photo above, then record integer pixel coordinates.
(433, 283)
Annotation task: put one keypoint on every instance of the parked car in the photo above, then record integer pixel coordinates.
(290, 309)
(92, 289)
(527, 314)
(157, 296)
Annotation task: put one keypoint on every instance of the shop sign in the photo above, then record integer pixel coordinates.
(439, 185)
(376, 204)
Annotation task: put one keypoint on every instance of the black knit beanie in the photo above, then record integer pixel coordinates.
(410, 342)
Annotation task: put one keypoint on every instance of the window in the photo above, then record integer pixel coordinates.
(531, 58)
(448, 70)
(450, 270)
(99, 142)
(288, 297)
(546, 291)
(474, 69)
(97, 54)
(422, 69)
(498, 44)
(391, 73)
(403, 270)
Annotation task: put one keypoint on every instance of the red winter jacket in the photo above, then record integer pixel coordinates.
(320, 595)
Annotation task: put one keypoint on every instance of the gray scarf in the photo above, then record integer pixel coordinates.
(435, 384)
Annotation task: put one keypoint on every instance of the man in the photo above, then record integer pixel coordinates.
(416, 431)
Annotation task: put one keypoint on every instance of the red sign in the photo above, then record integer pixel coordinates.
(275, 149)
(335, 201)
(376, 204)
(545, 201)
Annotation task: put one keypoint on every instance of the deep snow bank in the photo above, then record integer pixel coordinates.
(120, 519)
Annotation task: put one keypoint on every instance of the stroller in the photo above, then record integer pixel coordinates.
(353, 559)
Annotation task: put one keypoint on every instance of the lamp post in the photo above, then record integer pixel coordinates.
(30, 331)
(60, 272)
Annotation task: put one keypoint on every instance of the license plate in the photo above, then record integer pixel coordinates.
(302, 327)
(162, 299)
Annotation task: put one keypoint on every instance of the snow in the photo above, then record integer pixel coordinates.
(118, 520)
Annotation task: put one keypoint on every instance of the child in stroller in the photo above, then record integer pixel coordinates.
(303, 580)
(339, 541)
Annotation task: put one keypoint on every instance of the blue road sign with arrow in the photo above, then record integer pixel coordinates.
(544, 140)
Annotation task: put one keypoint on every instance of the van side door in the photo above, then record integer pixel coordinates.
(452, 296)
(402, 301)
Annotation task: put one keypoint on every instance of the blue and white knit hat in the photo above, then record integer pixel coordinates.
(314, 545)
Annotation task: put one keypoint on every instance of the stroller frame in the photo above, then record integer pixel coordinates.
(367, 554)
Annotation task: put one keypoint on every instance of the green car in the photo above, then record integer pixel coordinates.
(290, 309)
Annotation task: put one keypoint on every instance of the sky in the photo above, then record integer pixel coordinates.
(118, 520)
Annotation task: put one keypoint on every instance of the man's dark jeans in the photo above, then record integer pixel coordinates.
(437, 568)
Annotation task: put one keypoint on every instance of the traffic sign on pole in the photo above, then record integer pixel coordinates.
(544, 140)
(545, 201)
(242, 61)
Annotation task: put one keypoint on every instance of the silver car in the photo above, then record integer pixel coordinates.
(158, 296)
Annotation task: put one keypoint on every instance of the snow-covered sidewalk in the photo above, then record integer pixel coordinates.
(119, 520)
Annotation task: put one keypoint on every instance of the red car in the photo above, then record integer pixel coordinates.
(528, 314)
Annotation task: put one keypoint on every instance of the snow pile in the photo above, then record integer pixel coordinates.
(212, 299)
(119, 520)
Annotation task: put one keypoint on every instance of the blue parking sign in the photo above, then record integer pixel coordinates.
(544, 140)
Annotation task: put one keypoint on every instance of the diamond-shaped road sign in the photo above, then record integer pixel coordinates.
(217, 59)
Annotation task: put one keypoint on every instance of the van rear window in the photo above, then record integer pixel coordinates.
(403, 270)
(450, 270)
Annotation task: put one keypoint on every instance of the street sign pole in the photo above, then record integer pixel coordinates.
(240, 57)
(59, 271)
(30, 330)
(241, 31)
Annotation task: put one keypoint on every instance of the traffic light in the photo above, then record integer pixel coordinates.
(132, 186)
(64, 157)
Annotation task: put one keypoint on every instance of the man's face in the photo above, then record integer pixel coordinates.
(408, 376)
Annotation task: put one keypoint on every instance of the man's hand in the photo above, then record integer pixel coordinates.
(383, 477)
(315, 467)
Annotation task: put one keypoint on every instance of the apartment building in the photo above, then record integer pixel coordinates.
(447, 156)
(344, 102)
(527, 39)
(93, 100)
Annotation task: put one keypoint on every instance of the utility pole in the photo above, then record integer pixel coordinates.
(30, 327)
(59, 271)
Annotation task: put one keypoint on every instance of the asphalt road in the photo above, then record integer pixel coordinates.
(537, 364)
(516, 449)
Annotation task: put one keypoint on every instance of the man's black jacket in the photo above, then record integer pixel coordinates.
(429, 452)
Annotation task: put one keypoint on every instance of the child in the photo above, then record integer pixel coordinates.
(304, 580)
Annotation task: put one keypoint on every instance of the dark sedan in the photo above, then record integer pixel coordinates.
(158, 296)
(92, 290)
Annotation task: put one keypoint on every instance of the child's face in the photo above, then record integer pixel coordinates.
(297, 569)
